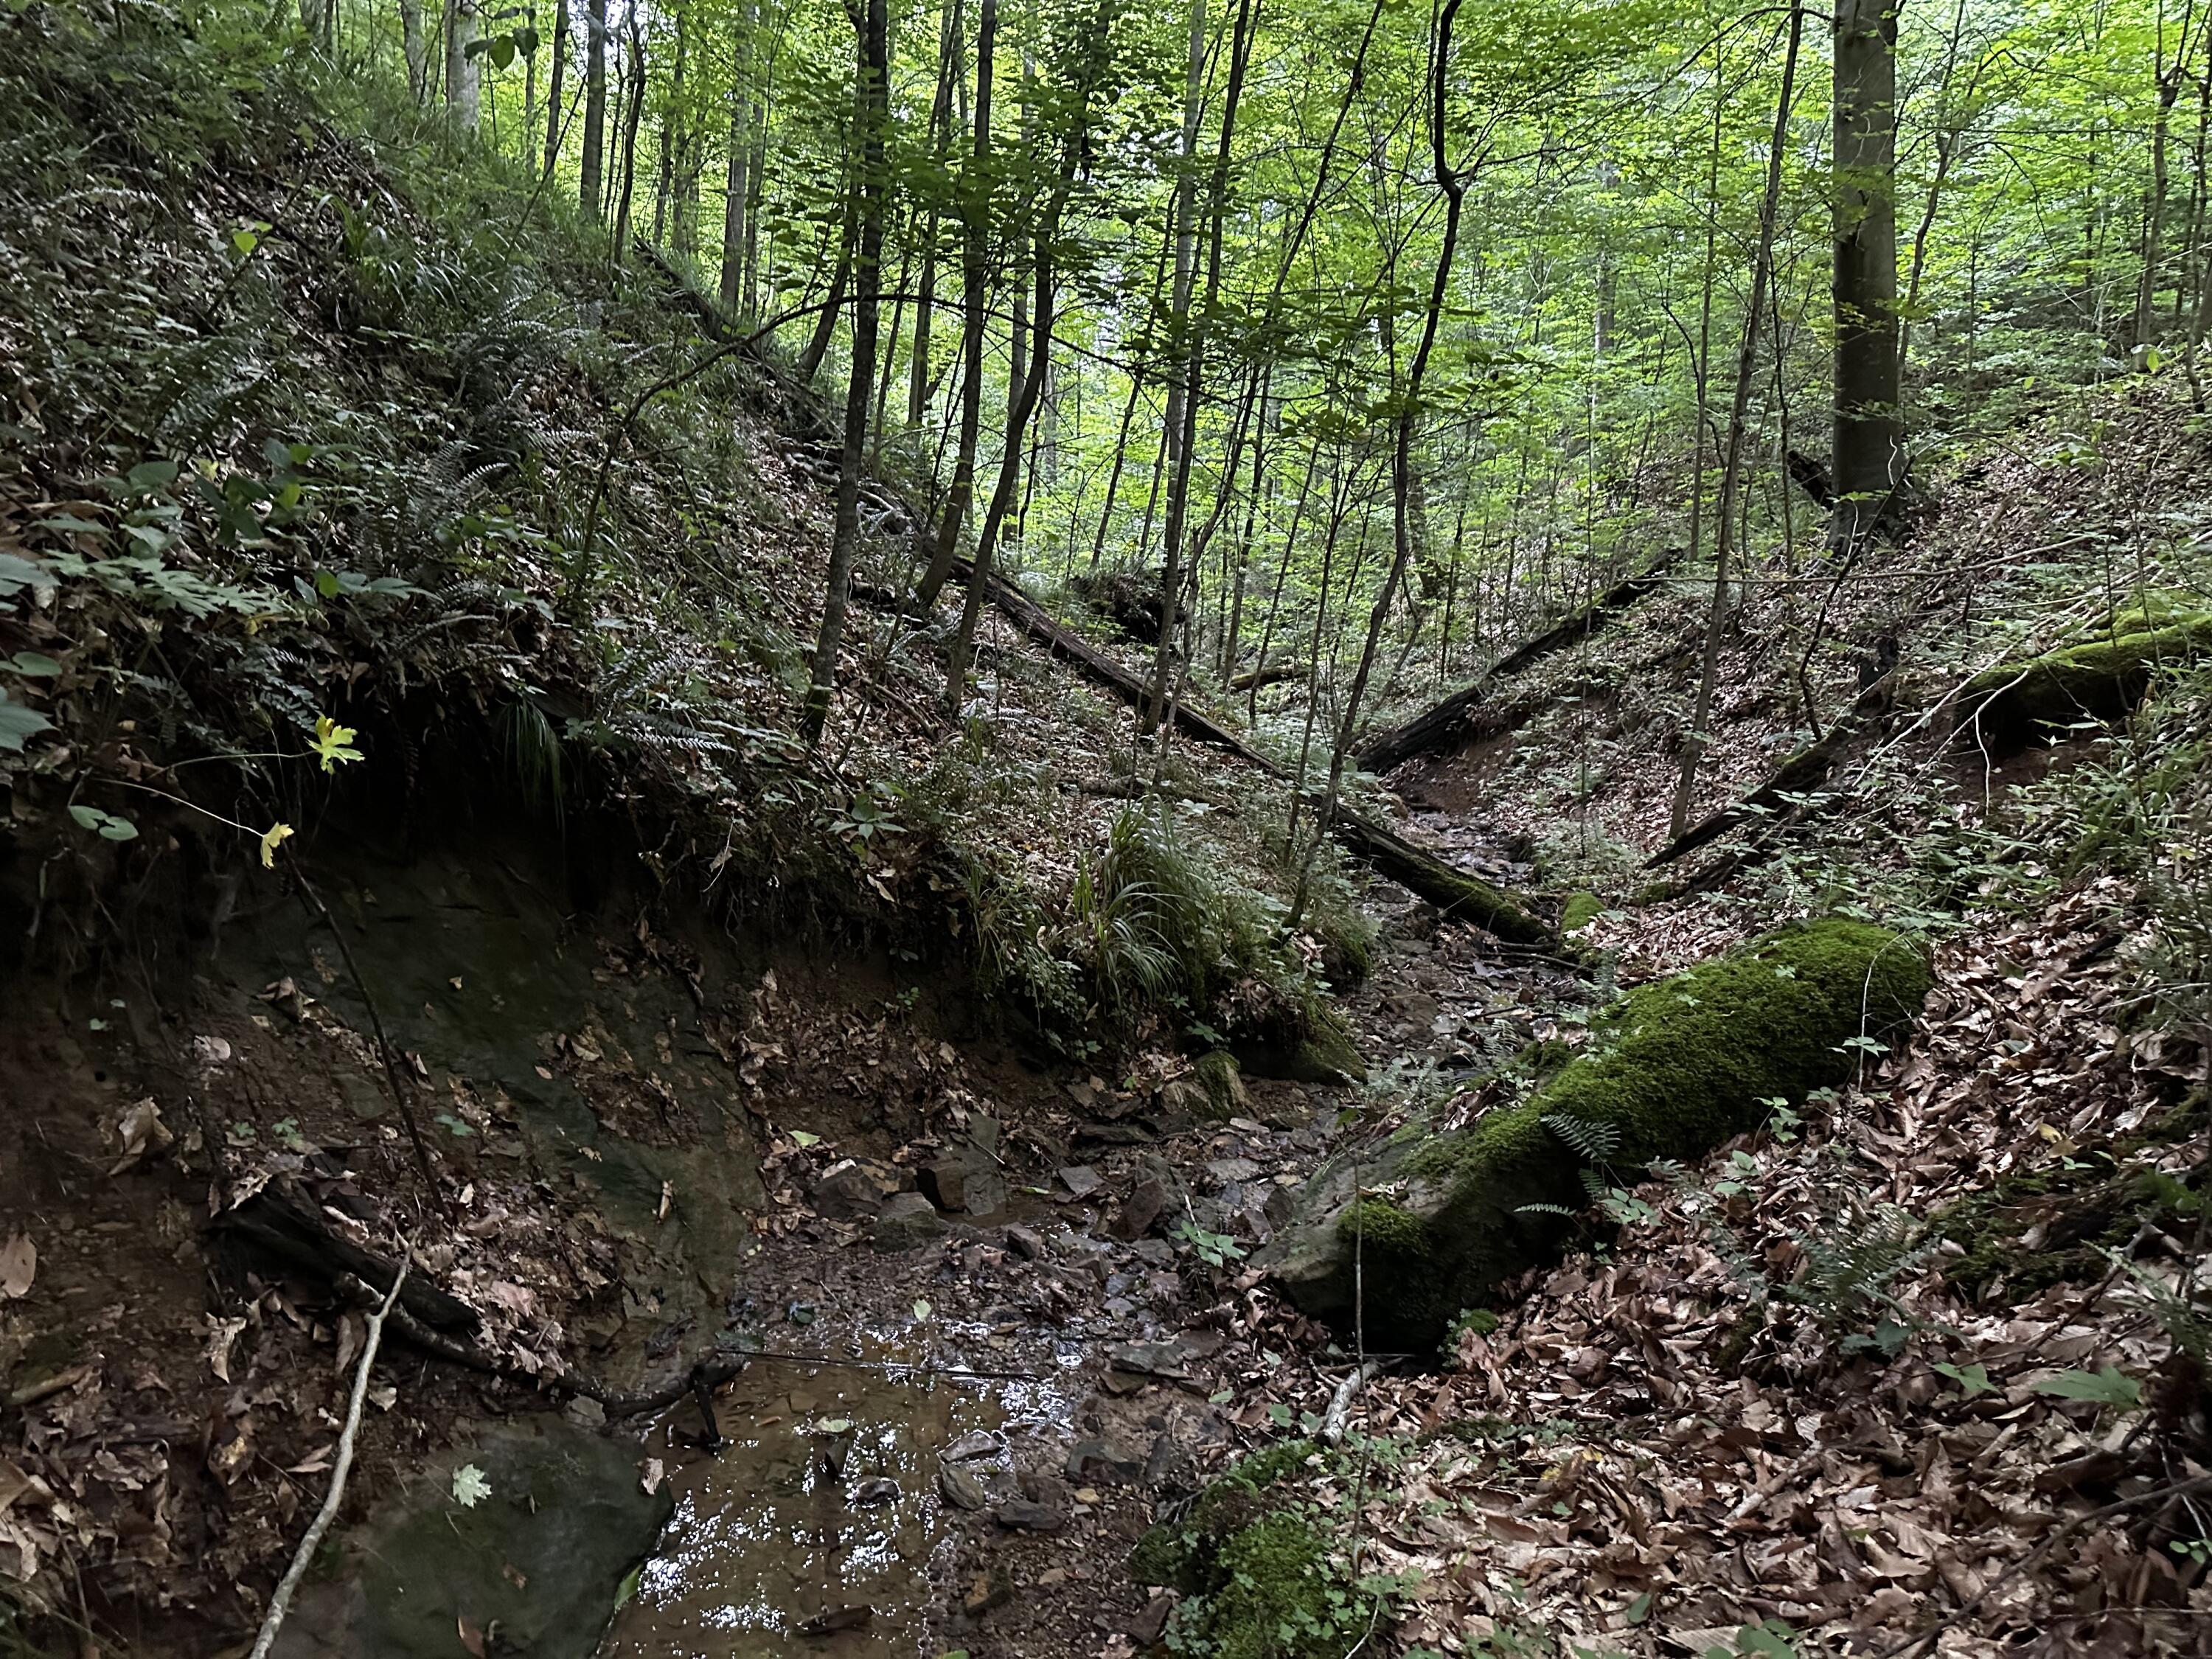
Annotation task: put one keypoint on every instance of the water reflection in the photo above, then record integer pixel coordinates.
(819, 1527)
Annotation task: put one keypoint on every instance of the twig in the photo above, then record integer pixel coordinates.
(282, 1602)
(1339, 1405)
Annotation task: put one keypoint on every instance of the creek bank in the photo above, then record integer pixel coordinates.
(1428, 1225)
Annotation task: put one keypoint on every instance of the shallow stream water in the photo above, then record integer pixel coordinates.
(819, 1527)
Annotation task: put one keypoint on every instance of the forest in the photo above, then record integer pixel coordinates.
(1099, 829)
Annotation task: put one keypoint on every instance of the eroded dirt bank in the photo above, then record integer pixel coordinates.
(985, 1313)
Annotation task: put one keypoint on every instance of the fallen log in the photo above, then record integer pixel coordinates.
(284, 1222)
(1807, 769)
(1457, 894)
(1452, 891)
(1267, 674)
(1446, 721)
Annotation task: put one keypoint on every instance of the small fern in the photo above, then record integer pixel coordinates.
(1592, 1140)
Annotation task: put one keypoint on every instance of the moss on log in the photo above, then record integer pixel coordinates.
(2005, 708)
(1681, 1066)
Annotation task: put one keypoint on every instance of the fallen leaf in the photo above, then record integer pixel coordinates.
(19, 1265)
(650, 1474)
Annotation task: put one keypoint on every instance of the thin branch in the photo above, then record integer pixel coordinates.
(280, 1603)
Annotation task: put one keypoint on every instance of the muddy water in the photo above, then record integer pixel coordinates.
(822, 1508)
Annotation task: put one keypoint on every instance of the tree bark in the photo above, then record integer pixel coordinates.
(872, 116)
(1868, 456)
(826, 325)
(411, 42)
(588, 188)
(1452, 184)
(461, 64)
(1731, 461)
(736, 198)
(974, 220)
(940, 141)
(555, 83)
(629, 133)
(1182, 390)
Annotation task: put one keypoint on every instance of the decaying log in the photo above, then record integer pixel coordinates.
(1451, 719)
(282, 1220)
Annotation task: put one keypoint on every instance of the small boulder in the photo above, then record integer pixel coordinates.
(1141, 1206)
(1021, 1515)
(907, 1221)
(855, 1187)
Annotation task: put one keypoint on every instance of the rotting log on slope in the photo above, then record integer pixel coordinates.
(1448, 720)
(1451, 889)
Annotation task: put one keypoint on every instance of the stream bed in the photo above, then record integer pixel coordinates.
(824, 1516)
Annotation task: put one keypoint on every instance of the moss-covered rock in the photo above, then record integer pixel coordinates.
(1319, 1049)
(1580, 910)
(2097, 678)
(1222, 1080)
(1678, 1067)
(1257, 1565)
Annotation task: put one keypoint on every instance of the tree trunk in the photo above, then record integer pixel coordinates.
(461, 64)
(1452, 184)
(1870, 430)
(418, 54)
(1181, 412)
(825, 323)
(940, 141)
(974, 220)
(588, 190)
(737, 200)
(1731, 461)
(670, 179)
(555, 83)
(629, 133)
(872, 116)
(1075, 151)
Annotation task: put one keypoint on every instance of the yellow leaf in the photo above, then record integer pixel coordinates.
(331, 740)
(270, 839)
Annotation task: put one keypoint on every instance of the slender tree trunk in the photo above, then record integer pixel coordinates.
(629, 133)
(555, 83)
(1183, 413)
(872, 116)
(1452, 184)
(1074, 156)
(1732, 462)
(589, 188)
(1236, 623)
(940, 142)
(975, 219)
(1868, 461)
(1140, 351)
(418, 54)
(670, 179)
(1947, 141)
(2169, 88)
(461, 64)
(737, 197)
(826, 325)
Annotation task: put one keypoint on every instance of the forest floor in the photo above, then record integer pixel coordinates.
(718, 1050)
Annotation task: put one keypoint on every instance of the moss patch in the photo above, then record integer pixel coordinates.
(1581, 909)
(2099, 678)
(1677, 1067)
(1257, 1567)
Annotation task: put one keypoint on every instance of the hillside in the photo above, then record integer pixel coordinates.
(596, 1065)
